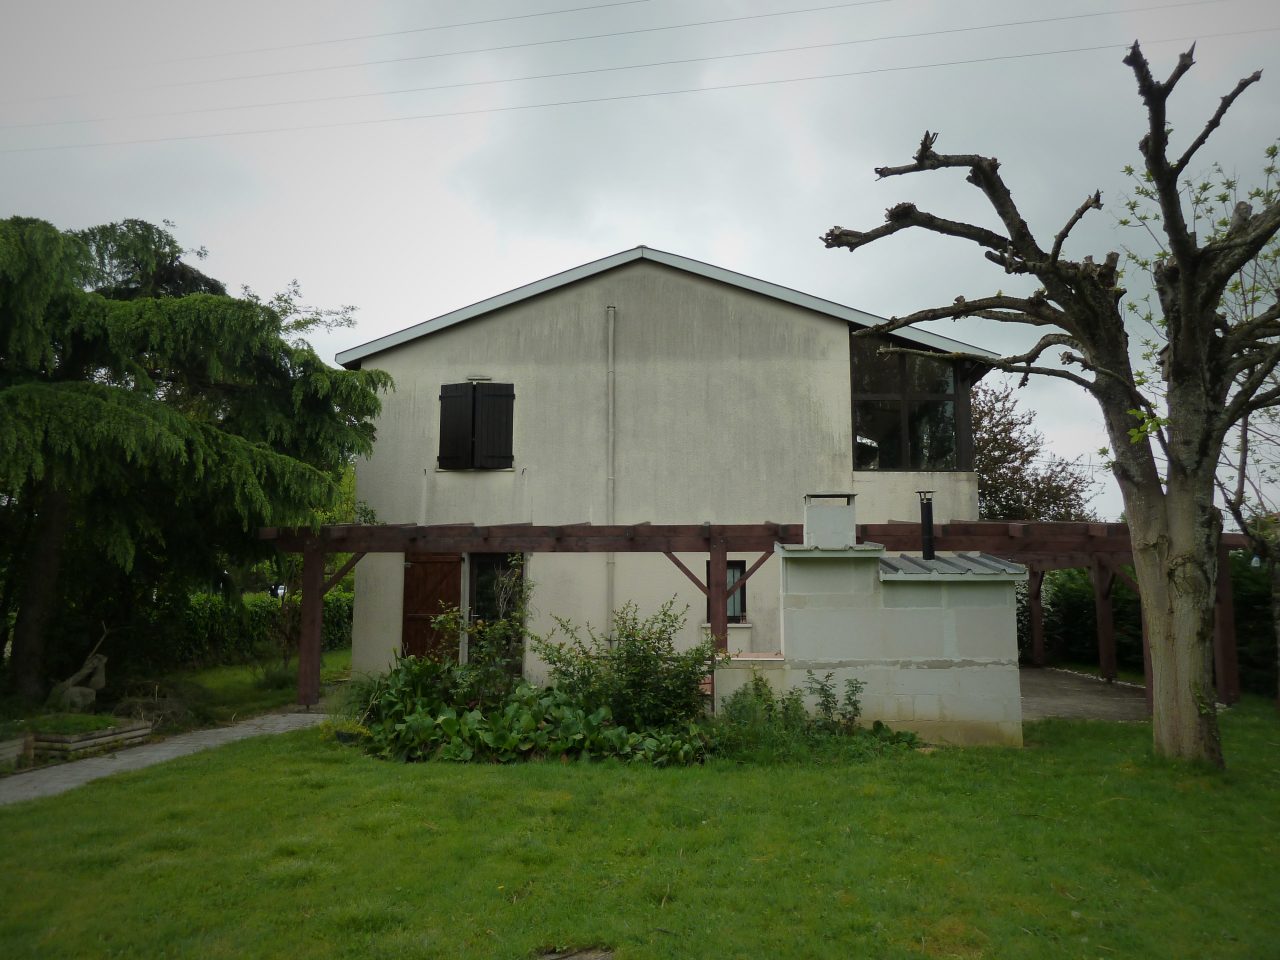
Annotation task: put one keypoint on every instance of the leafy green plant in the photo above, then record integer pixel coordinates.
(635, 669)
(758, 725)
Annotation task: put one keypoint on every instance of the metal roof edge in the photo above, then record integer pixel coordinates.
(970, 566)
(351, 358)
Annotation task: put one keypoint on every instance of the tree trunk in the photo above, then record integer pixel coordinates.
(35, 610)
(1176, 566)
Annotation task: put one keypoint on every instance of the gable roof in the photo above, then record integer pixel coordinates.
(351, 358)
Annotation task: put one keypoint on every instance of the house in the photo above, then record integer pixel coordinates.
(645, 387)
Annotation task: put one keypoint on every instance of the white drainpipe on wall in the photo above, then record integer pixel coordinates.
(610, 456)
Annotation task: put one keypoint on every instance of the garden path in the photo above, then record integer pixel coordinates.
(61, 777)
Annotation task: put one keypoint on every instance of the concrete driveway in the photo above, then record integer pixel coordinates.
(1047, 692)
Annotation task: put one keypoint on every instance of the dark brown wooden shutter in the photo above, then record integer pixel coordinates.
(495, 405)
(456, 419)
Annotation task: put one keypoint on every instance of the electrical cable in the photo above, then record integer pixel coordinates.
(597, 70)
(401, 33)
(624, 97)
(498, 49)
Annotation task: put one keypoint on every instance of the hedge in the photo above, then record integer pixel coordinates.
(206, 629)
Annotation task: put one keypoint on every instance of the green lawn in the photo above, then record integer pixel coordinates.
(219, 695)
(1080, 846)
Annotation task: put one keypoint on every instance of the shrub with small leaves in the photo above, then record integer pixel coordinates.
(635, 669)
(756, 724)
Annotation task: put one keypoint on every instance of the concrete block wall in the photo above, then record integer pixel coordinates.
(938, 654)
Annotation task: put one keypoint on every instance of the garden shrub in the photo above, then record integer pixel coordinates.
(412, 714)
(756, 724)
(209, 629)
(635, 670)
(481, 710)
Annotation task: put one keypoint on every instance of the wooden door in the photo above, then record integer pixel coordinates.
(432, 584)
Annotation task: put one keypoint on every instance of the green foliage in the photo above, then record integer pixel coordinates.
(415, 713)
(495, 647)
(1255, 631)
(1070, 621)
(1018, 479)
(149, 424)
(480, 710)
(1071, 631)
(758, 725)
(635, 670)
(70, 723)
(206, 629)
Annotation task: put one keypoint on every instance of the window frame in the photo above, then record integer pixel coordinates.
(905, 400)
(738, 567)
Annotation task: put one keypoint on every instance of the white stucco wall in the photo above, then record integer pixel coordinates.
(729, 408)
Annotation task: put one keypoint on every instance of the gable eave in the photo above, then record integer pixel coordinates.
(352, 358)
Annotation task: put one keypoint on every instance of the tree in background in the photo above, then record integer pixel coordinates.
(1017, 478)
(149, 424)
(1166, 447)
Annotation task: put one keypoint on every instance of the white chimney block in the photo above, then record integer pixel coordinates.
(829, 521)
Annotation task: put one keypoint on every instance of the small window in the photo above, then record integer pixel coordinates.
(737, 603)
(475, 426)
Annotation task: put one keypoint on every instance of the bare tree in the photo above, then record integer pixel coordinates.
(1216, 373)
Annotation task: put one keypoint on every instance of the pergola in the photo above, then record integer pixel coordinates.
(1101, 547)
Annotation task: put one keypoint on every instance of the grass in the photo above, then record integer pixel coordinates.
(69, 723)
(221, 695)
(1081, 845)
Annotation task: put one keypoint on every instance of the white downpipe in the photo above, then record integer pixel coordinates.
(610, 456)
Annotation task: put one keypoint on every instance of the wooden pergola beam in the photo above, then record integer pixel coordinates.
(1042, 546)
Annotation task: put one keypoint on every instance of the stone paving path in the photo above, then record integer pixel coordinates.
(61, 777)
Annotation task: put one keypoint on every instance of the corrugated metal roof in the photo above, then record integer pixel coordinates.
(949, 565)
(351, 358)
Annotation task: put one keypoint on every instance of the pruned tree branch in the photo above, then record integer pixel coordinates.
(1035, 310)
(1091, 203)
(1252, 333)
(1155, 146)
(984, 174)
(904, 216)
(1214, 121)
(1022, 364)
(1243, 241)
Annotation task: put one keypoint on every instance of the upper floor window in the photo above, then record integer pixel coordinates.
(909, 412)
(475, 426)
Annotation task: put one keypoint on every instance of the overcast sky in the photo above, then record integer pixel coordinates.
(408, 159)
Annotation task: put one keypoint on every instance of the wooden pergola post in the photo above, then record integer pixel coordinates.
(1035, 584)
(312, 623)
(718, 592)
(1103, 578)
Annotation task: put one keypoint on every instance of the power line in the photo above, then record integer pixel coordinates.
(623, 97)
(497, 49)
(401, 33)
(613, 69)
